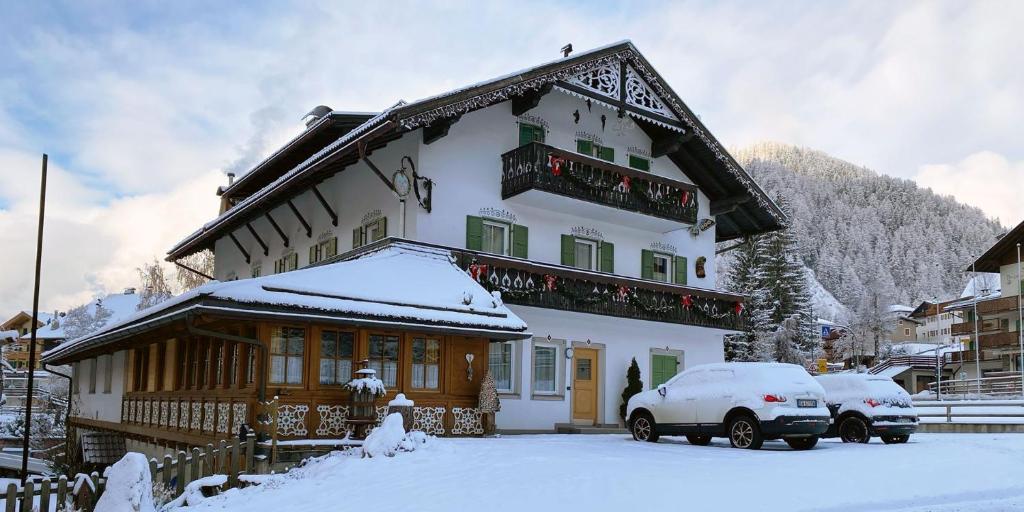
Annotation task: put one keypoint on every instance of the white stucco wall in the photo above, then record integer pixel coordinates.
(101, 405)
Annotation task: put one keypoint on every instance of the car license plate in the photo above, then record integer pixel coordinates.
(806, 403)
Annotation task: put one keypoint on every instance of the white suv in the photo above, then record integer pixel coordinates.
(746, 402)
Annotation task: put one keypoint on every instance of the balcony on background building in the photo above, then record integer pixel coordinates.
(527, 283)
(530, 173)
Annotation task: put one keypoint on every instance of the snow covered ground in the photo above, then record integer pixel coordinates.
(933, 472)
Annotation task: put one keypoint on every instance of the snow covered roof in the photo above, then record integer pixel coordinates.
(759, 214)
(900, 308)
(983, 285)
(1003, 248)
(399, 284)
(120, 306)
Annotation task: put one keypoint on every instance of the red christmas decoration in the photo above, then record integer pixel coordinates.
(685, 197)
(477, 270)
(738, 308)
(622, 292)
(549, 282)
(626, 183)
(555, 163)
(687, 301)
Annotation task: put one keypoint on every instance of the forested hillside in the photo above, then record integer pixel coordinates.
(869, 239)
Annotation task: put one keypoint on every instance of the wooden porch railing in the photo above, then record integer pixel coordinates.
(174, 474)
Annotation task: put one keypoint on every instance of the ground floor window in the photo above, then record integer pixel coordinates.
(384, 358)
(426, 363)
(501, 363)
(336, 356)
(287, 350)
(545, 368)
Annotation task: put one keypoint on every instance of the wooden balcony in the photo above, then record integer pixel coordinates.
(1002, 340)
(539, 167)
(1000, 305)
(967, 328)
(527, 283)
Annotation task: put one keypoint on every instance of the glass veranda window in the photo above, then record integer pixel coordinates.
(426, 360)
(384, 358)
(287, 349)
(336, 357)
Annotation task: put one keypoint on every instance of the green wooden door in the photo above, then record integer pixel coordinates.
(663, 368)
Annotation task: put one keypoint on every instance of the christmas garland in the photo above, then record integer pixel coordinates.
(560, 166)
(518, 288)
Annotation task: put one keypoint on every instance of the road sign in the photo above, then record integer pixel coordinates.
(826, 330)
(823, 365)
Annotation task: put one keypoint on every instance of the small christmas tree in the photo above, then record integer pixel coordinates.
(488, 402)
(633, 386)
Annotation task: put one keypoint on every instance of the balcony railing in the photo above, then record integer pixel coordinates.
(527, 283)
(537, 166)
(967, 328)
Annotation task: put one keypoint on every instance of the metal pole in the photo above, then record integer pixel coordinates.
(1020, 321)
(401, 216)
(977, 342)
(35, 320)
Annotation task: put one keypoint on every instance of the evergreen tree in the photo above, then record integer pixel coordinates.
(633, 386)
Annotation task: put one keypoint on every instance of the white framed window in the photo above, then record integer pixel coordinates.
(370, 232)
(501, 362)
(547, 375)
(495, 237)
(662, 270)
(586, 254)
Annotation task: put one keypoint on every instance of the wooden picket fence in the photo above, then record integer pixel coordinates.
(174, 473)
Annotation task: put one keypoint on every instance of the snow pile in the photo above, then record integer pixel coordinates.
(193, 494)
(8, 335)
(129, 486)
(400, 401)
(390, 438)
(371, 384)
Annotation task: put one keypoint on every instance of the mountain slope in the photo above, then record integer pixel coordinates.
(862, 233)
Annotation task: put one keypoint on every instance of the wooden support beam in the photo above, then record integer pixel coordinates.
(727, 204)
(266, 250)
(305, 225)
(280, 232)
(524, 103)
(438, 129)
(327, 207)
(240, 248)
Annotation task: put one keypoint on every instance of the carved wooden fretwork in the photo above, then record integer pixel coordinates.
(291, 420)
(163, 413)
(467, 421)
(172, 414)
(429, 420)
(223, 410)
(603, 80)
(332, 420)
(640, 95)
(208, 417)
(197, 415)
(183, 417)
(238, 411)
(146, 412)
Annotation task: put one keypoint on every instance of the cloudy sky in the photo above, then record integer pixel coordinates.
(142, 106)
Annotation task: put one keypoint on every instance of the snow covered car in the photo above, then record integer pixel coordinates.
(864, 405)
(745, 402)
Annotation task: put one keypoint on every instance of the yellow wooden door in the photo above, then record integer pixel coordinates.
(585, 384)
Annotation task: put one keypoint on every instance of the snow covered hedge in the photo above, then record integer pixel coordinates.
(390, 438)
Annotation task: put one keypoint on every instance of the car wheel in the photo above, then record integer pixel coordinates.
(643, 428)
(900, 439)
(699, 439)
(802, 443)
(854, 430)
(744, 433)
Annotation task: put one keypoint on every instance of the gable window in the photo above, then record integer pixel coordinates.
(335, 356)
(591, 148)
(287, 349)
(530, 133)
(662, 267)
(496, 237)
(640, 163)
(384, 358)
(588, 254)
(426, 363)
(369, 232)
(323, 250)
(286, 263)
(501, 364)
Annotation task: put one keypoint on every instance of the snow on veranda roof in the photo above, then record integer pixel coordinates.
(718, 175)
(399, 285)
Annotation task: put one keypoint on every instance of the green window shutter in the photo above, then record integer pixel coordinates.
(585, 147)
(312, 254)
(383, 228)
(680, 270)
(639, 163)
(606, 154)
(474, 233)
(646, 264)
(607, 257)
(332, 248)
(357, 237)
(568, 250)
(520, 241)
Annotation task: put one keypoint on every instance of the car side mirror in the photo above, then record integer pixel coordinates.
(662, 390)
